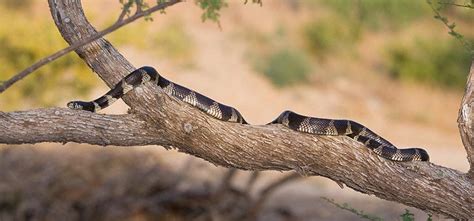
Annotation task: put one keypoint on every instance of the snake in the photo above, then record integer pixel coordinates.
(290, 119)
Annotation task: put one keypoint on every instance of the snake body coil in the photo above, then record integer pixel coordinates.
(294, 121)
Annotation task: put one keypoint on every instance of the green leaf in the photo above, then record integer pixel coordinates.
(452, 26)
(211, 9)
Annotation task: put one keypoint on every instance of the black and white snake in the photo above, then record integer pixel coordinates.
(319, 126)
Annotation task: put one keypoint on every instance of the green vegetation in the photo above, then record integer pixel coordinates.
(437, 7)
(211, 9)
(349, 20)
(407, 216)
(376, 14)
(285, 67)
(432, 61)
(359, 213)
(277, 58)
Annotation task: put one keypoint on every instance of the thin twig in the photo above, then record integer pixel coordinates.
(468, 45)
(347, 207)
(139, 5)
(456, 4)
(120, 23)
(124, 12)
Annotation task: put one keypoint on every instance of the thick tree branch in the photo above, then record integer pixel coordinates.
(466, 121)
(64, 125)
(174, 124)
(422, 185)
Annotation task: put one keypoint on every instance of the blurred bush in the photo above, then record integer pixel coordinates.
(349, 20)
(331, 34)
(439, 62)
(24, 43)
(376, 14)
(285, 67)
(16, 5)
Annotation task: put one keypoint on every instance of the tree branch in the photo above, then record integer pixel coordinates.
(466, 121)
(458, 5)
(171, 123)
(64, 125)
(436, 9)
(118, 24)
(422, 185)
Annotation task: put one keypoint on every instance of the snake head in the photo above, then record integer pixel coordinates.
(74, 105)
(80, 105)
(423, 155)
(151, 73)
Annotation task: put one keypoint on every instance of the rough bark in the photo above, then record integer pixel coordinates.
(165, 121)
(63, 125)
(466, 121)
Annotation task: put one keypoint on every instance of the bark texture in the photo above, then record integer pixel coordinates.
(63, 125)
(466, 121)
(159, 119)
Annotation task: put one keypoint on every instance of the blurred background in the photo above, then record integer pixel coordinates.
(386, 64)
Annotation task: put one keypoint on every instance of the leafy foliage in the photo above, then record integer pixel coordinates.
(140, 5)
(359, 213)
(407, 216)
(127, 5)
(211, 9)
(437, 7)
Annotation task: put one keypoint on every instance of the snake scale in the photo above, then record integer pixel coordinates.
(292, 120)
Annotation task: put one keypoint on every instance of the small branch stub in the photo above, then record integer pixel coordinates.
(188, 128)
